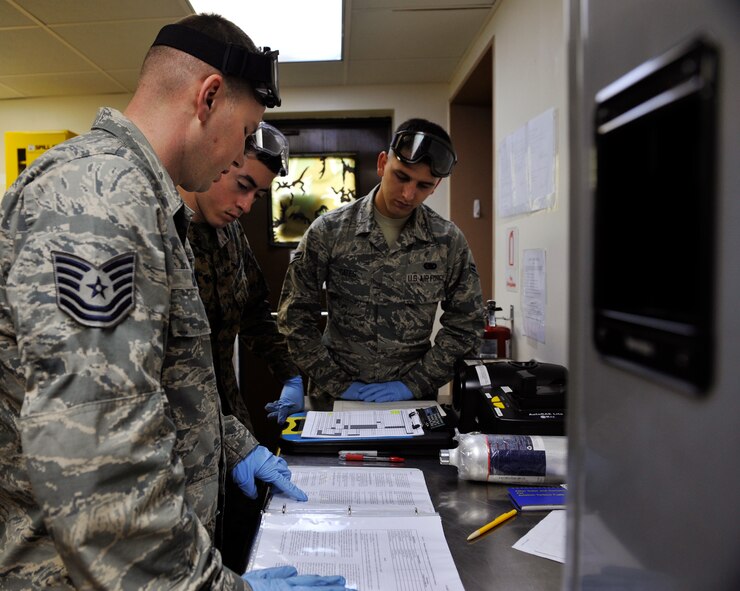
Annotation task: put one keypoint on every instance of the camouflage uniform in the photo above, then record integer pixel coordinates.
(235, 294)
(381, 300)
(111, 446)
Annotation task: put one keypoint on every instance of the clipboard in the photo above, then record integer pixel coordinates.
(427, 444)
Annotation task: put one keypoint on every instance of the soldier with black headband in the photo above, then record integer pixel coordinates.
(113, 449)
(387, 261)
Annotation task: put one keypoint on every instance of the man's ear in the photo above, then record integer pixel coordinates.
(210, 91)
(382, 161)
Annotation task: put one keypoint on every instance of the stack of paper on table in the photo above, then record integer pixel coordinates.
(375, 526)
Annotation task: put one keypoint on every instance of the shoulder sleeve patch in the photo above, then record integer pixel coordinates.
(95, 296)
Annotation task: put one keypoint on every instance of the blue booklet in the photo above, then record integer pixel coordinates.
(538, 498)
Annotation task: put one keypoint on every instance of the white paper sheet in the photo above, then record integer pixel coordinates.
(546, 539)
(360, 424)
(373, 553)
(348, 405)
(527, 166)
(534, 294)
(357, 490)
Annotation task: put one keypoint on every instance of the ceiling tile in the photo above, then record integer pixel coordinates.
(388, 42)
(121, 45)
(418, 4)
(312, 74)
(375, 35)
(88, 11)
(6, 92)
(127, 78)
(10, 17)
(31, 51)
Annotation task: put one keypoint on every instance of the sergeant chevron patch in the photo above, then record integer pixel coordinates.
(95, 296)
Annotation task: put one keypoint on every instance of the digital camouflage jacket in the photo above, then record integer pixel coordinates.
(381, 300)
(235, 295)
(112, 446)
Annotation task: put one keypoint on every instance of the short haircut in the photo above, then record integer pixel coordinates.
(160, 57)
(425, 126)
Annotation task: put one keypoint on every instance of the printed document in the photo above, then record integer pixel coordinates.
(374, 526)
(360, 489)
(361, 424)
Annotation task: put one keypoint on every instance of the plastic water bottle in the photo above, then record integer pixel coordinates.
(518, 459)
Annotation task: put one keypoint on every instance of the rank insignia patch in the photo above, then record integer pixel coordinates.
(96, 296)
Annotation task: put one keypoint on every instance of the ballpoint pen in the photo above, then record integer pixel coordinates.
(365, 458)
(494, 523)
(363, 452)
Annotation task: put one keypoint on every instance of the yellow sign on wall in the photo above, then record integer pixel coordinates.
(23, 147)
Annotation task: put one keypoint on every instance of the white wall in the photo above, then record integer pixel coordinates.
(529, 77)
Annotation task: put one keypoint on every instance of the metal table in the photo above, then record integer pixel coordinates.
(489, 562)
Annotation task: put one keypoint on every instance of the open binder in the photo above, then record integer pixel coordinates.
(377, 527)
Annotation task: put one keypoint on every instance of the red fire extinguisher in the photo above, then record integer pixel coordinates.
(496, 339)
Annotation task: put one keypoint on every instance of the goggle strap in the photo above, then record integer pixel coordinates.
(231, 59)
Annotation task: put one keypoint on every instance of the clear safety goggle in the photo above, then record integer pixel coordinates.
(270, 147)
(411, 147)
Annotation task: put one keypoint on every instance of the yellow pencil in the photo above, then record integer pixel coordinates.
(494, 523)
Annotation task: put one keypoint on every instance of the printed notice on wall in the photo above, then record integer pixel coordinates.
(526, 167)
(512, 259)
(534, 293)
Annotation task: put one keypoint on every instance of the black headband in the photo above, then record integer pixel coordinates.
(259, 69)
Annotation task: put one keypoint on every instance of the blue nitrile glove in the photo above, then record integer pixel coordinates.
(291, 400)
(385, 392)
(286, 578)
(262, 464)
(353, 392)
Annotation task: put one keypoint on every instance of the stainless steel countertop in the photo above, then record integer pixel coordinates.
(489, 562)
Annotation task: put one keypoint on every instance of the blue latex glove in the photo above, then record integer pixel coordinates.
(262, 464)
(385, 392)
(286, 578)
(353, 392)
(291, 400)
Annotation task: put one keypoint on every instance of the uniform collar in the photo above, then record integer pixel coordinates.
(117, 124)
(223, 235)
(214, 237)
(417, 226)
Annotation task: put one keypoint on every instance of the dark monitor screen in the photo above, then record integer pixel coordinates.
(654, 212)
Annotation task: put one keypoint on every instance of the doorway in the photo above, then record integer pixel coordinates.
(471, 128)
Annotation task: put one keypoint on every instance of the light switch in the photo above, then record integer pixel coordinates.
(476, 208)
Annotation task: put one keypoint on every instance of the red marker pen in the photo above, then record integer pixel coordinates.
(363, 458)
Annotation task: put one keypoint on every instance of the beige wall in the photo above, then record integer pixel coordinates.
(402, 102)
(73, 113)
(529, 77)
